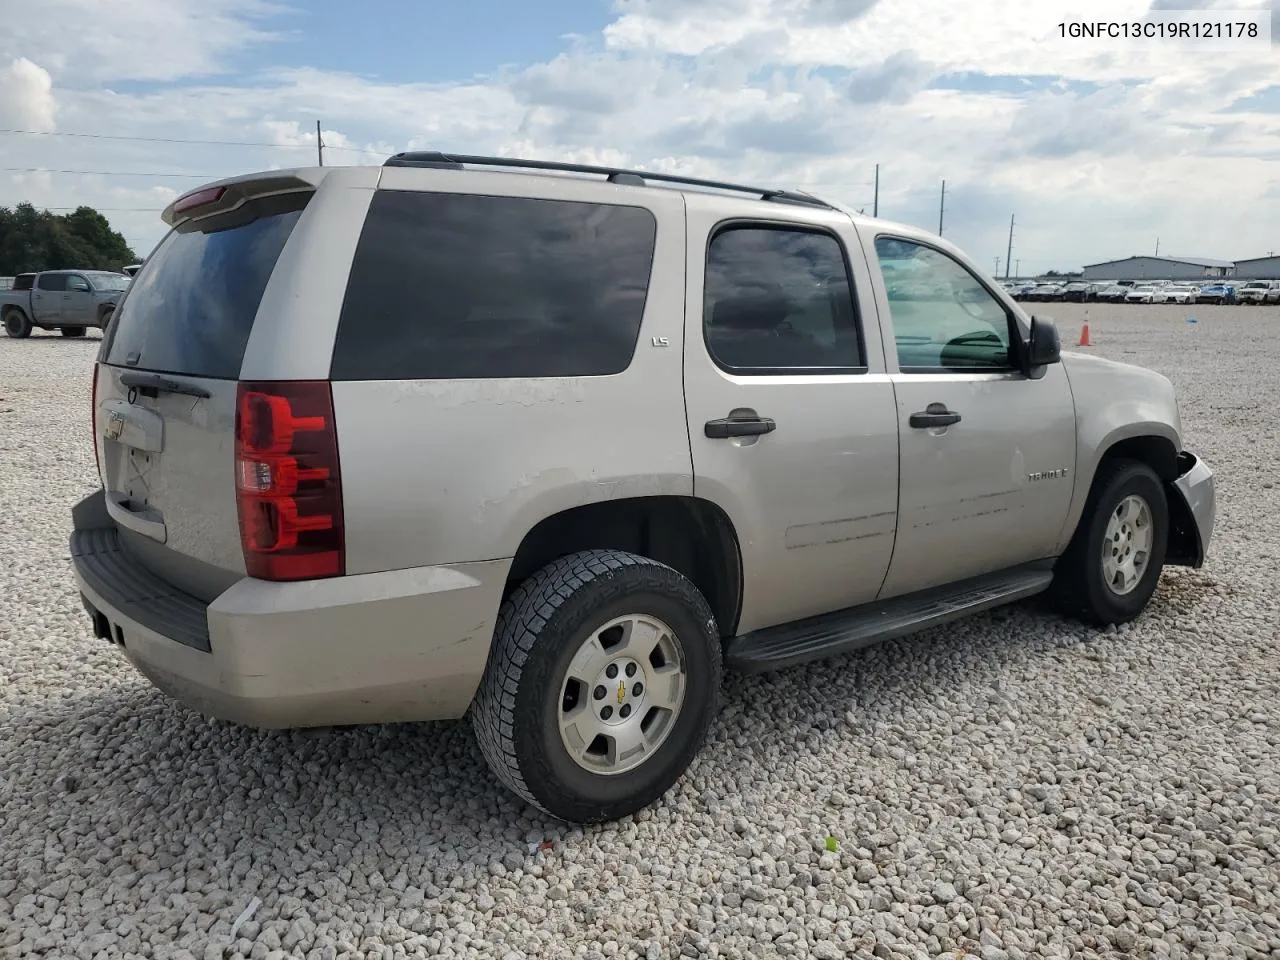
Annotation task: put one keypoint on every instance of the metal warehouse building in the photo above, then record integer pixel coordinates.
(1259, 268)
(1159, 268)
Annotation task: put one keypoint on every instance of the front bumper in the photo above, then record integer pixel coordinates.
(1193, 511)
(403, 645)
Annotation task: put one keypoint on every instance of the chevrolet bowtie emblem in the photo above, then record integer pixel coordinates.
(622, 691)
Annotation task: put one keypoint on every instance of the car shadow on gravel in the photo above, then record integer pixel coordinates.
(130, 760)
(129, 752)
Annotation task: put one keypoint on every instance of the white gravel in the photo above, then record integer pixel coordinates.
(1015, 786)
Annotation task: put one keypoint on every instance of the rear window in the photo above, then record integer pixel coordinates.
(191, 308)
(458, 286)
(23, 281)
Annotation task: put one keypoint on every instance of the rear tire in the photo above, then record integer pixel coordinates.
(72, 331)
(586, 615)
(1127, 509)
(17, 325)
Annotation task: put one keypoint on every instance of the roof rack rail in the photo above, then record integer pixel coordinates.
(635, 178)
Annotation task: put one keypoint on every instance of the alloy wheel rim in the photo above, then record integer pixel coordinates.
(1126, 545)
(622, 694)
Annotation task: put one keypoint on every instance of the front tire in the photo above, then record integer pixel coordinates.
(599, 620)
(1110, 570)
(17, 325)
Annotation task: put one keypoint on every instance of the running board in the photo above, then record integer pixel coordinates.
(815, 638)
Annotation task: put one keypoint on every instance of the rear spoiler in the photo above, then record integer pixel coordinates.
(224, 195)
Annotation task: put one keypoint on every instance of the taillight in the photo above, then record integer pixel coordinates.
(288, 488)
(93, 408)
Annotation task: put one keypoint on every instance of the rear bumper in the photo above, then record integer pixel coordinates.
(404, 645)
(1195, 510)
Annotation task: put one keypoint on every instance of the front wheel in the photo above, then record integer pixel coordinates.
(1112, 566)
(603, 680)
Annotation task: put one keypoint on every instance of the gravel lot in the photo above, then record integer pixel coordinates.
(1015, 786)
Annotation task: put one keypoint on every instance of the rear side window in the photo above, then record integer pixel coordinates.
(23, 281)
(52, 281)
(458, 286)
(191, 308)
(778, 300)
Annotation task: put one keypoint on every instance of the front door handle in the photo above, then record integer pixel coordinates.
(935, 415)
(742, 422)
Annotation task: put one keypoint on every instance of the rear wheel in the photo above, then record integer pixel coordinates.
(72, 331)
(602, 683)
(16, 324)
(1113, 563)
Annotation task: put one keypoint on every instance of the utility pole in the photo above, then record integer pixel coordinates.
(875, 203)
(1157, 246)
(319, 145)
(1017, 270)
(997, 273)
(942, 205)
(1009, 253)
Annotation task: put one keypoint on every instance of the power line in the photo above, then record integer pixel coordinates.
(220, 143)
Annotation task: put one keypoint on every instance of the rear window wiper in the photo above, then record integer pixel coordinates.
(162, 384)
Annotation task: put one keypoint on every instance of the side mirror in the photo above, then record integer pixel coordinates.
(1044, 346)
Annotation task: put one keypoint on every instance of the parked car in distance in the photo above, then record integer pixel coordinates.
(6, 283)
(1141, 293)
(1222, 293)
(132, 269)
(1044, 292)
(1110, 293)
(370, 501)
(69, 301)
(1019, 289)
(1259, 292)
(1175, 293)
(1077, 291)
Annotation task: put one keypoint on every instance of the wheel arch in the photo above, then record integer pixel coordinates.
(692, 535)
(1158, 446)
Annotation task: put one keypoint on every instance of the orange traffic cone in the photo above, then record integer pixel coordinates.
(1084, 335)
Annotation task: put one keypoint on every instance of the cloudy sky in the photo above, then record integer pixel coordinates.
(1098, 148)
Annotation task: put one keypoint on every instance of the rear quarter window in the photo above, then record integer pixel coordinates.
(460, 286)
(191, 308)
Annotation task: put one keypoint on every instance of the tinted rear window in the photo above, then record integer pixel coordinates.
(24, 281)
(457, 286)
(191, 308)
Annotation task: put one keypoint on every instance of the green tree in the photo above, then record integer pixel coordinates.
(33, 240)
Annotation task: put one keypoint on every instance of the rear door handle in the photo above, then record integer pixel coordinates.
(935, 415)
(739, 423)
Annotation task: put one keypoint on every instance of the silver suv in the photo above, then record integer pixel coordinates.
(549, 444)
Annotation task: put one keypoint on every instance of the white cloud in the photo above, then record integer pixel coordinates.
(133, 39)
(28, 102)
(1124, 147)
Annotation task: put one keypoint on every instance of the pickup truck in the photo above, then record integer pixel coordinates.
(1259, 292)
(67, 300)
